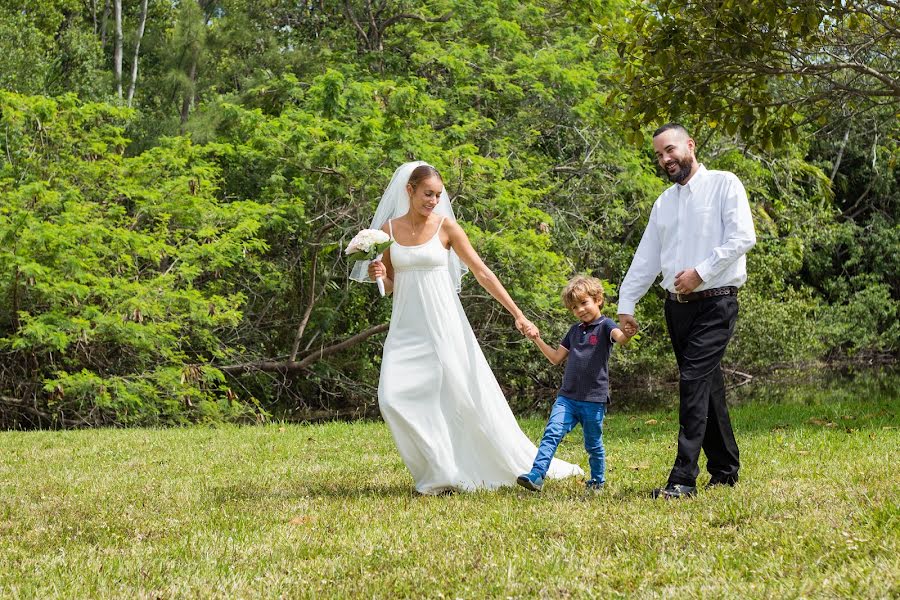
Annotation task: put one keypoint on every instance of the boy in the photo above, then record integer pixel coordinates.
(584, 392)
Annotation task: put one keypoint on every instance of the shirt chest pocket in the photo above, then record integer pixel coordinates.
(705, 218)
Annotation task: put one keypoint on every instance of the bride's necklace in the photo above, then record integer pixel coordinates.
(415, 231)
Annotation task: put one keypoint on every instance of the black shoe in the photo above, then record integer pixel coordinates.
(716, 482)
(593, 486)
(673, 491)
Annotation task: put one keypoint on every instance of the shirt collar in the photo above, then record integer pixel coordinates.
(584, 326)
(696, 180)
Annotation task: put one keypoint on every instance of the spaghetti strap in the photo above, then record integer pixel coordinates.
(391, 227)
(440, 224)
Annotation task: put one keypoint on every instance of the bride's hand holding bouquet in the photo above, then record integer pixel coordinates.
(370, 244)
(377, 271)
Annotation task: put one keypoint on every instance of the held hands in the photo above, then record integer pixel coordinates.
(687, 281)
(628, 325)
(527, 328)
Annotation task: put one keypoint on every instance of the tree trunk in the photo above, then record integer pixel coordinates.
(137, 50)
(188, 100)
(15, 300)
(103, 23)
(117, 54)
(309, 307)
(94, 14)
(840, 155)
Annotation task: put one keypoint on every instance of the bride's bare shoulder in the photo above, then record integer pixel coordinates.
(453, 227)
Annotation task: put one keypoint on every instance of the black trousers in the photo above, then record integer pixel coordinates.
(700, 333)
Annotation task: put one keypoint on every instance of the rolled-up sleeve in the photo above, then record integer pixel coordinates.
(738, 234)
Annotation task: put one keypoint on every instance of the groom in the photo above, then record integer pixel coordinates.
(698, 234)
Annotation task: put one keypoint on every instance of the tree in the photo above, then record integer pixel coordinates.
(47, 48)
(117, 47)
(760, 69)
(372, 20)
(190, 36)
(137, 50)
(116, 273)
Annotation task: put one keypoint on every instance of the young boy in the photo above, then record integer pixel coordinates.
(584, 392)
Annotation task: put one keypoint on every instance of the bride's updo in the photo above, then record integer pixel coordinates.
(421, 173)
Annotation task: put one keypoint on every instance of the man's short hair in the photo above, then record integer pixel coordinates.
(668, 126)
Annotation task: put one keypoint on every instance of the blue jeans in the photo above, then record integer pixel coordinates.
(565, 414)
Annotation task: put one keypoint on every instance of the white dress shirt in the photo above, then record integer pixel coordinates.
(705, 224)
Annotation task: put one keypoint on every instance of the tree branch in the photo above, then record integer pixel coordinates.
(287, 366)
(309, 307)
(25, 407)
(397, 18)
(348, 9)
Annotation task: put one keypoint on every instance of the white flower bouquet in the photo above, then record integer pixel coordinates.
(369, 244)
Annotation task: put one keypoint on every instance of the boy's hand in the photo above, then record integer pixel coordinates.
(534, 334)
(525, 327)
(628, 325)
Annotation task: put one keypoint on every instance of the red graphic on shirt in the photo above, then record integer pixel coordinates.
(592, 340)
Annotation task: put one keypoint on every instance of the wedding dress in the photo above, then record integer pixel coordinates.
(446, 411)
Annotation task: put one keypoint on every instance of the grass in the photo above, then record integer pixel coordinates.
(329, 511)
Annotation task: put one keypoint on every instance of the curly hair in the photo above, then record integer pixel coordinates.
(581, 286)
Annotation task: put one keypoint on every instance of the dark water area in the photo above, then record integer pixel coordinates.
(789, 385)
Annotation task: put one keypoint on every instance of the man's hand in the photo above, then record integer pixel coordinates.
(687, 281)
(628, 324)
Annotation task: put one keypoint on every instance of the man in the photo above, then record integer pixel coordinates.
(698, 234)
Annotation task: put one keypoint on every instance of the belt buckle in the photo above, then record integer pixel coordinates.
(678, 298)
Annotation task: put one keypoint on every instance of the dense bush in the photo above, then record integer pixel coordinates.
(181, 261)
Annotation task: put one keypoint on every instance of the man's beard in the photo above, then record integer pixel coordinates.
(683, 172)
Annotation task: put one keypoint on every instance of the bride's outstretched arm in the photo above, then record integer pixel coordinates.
(460, 243)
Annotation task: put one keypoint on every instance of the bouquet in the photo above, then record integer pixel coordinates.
(369, 244)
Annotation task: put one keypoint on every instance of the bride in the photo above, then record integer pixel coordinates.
(445, 409)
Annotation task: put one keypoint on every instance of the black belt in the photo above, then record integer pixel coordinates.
(710, 293)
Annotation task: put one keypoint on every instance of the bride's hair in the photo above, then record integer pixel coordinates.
(395, 203)
(421, 173)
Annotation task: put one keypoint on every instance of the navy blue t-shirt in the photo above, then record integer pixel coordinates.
(587, 367)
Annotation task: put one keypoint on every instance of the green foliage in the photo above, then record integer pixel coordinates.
(153, 258)
(758, 70)
(777, 327)
(114, 270)
(867, 320)
(46, 48)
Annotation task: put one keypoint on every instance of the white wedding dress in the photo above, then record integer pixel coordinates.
(446, 411)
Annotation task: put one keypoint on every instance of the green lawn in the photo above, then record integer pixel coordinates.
(329, 510)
